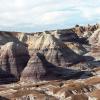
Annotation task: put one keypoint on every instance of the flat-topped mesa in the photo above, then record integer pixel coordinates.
(13, 59)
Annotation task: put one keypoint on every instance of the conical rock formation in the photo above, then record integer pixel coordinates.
(13, 59)
(57, 57)
(39, 69)
(55, 51)
(35, 70)
(95, 38)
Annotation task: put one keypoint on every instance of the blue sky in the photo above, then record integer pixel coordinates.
(41, 15)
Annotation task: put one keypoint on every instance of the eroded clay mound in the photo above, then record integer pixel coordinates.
(55, 51)
(39, 69)
(95, 38)
(13, 59)
(35, 69)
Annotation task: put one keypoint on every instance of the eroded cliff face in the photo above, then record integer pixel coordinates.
(35, 69)
(61, 48)
(53, 65)
(94, 40)
(52, 53)
(16, 48)
(13, 59)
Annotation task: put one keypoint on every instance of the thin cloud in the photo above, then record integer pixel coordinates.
(47, 14)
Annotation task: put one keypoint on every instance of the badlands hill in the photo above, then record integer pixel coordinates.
(51, 65)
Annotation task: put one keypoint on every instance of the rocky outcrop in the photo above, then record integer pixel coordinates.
(8, 37)
(66, 35)
(13, 59)
(94, 41)
(56, 68)
(50, 60)
(59, 48)
(39, 69)
(95, 53)
(71, 34)
(95, 38)
(76, 47)
(55, 51)
(86, 31)
(35, 69)
(14, 52)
